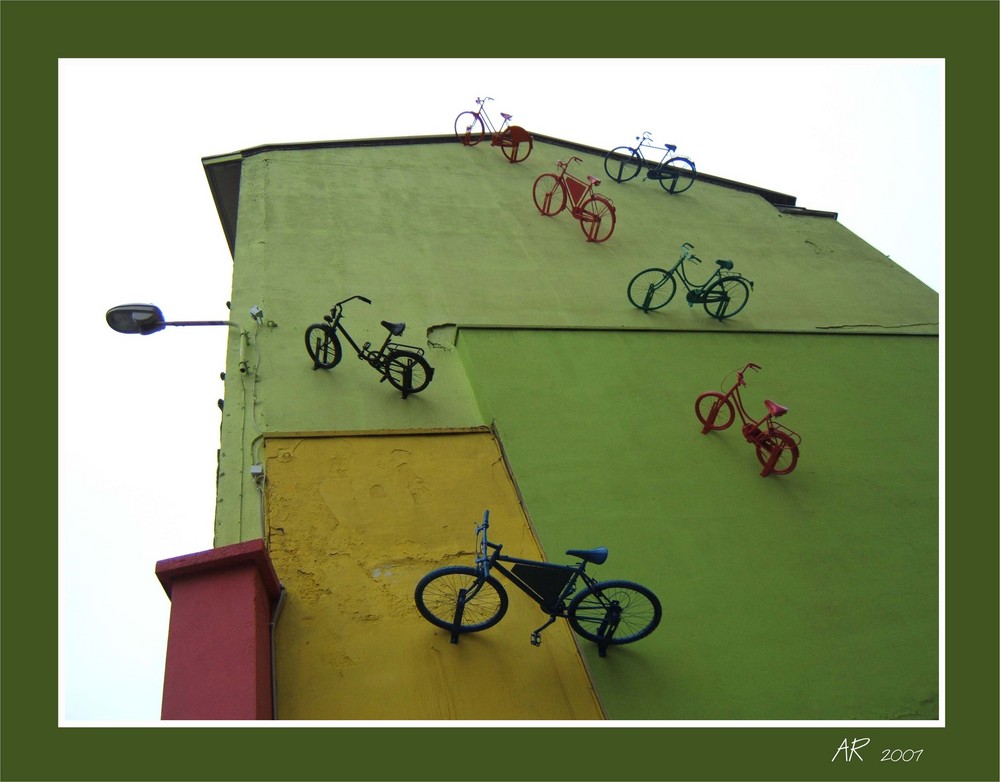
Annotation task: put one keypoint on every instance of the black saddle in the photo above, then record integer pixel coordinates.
(596, 555)
(725, 264)
(394, 328)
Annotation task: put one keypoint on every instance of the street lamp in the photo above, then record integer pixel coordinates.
(148, 319)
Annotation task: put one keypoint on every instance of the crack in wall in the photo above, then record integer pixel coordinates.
(878, 325)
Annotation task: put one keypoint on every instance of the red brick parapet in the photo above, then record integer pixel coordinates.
(218, 664)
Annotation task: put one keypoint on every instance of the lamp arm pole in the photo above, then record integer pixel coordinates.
(244, 335)
(202, 323)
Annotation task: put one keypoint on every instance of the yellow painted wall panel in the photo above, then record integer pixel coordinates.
(353, 523)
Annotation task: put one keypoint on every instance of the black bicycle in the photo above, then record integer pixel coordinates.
(464, 599)
(404, 366)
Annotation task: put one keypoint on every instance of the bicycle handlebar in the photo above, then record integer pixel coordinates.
(365, 299)
(739, 373)
(686, 254)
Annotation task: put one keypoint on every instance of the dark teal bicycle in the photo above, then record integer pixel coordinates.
(463, 599)
(723, 294)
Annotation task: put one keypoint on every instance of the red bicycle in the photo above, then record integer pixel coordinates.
(777, 445)
(596, 213)
(514, 141)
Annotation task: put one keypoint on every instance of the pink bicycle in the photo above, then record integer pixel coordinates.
(596, 213)
(777, 445)
(471, 127)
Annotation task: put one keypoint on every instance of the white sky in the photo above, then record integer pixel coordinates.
(137, 223)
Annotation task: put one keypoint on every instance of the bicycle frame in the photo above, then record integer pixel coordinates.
(577, 191)
(678, 268)
(550, 588)
(481, 112)
(646, 140)
(364, 351)
(751, 426)
(550, 596)
(595, 212)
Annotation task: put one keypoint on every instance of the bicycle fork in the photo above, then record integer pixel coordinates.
(712, 415)
(459, 610)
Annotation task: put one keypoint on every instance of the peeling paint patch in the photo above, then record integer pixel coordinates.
(442, 336)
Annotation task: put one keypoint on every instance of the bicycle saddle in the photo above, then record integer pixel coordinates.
(394, 328)
(593, 180)
(596, 555)
(774, 408)
(725, 264)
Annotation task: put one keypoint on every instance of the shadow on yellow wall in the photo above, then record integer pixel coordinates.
(353, 523)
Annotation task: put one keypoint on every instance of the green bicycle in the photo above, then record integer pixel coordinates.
(723, 294)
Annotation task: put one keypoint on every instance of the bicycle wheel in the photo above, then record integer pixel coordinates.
(726, 296)
(408, 372)
(614, 612)
(787, 452)
(677, 175)
(515, 151)
(597, 219)
(703, 409)
(323, 346)
(652, 289)
(550, 198)
(437, 599)
(622, 164)
(469, 128)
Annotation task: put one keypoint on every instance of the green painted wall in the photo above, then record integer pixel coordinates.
(439, 233)
(788, 597)
(807, 596)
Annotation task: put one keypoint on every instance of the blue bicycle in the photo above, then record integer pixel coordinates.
(674, 173)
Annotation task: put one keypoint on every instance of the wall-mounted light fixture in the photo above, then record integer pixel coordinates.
(148, 319)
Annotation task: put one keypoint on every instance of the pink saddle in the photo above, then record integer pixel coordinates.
(774, 408)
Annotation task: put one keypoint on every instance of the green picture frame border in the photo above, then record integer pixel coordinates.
(34, 35)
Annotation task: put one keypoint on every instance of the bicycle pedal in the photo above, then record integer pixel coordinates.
(536, 639)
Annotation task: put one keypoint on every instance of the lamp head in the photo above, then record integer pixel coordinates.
(136, 319)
